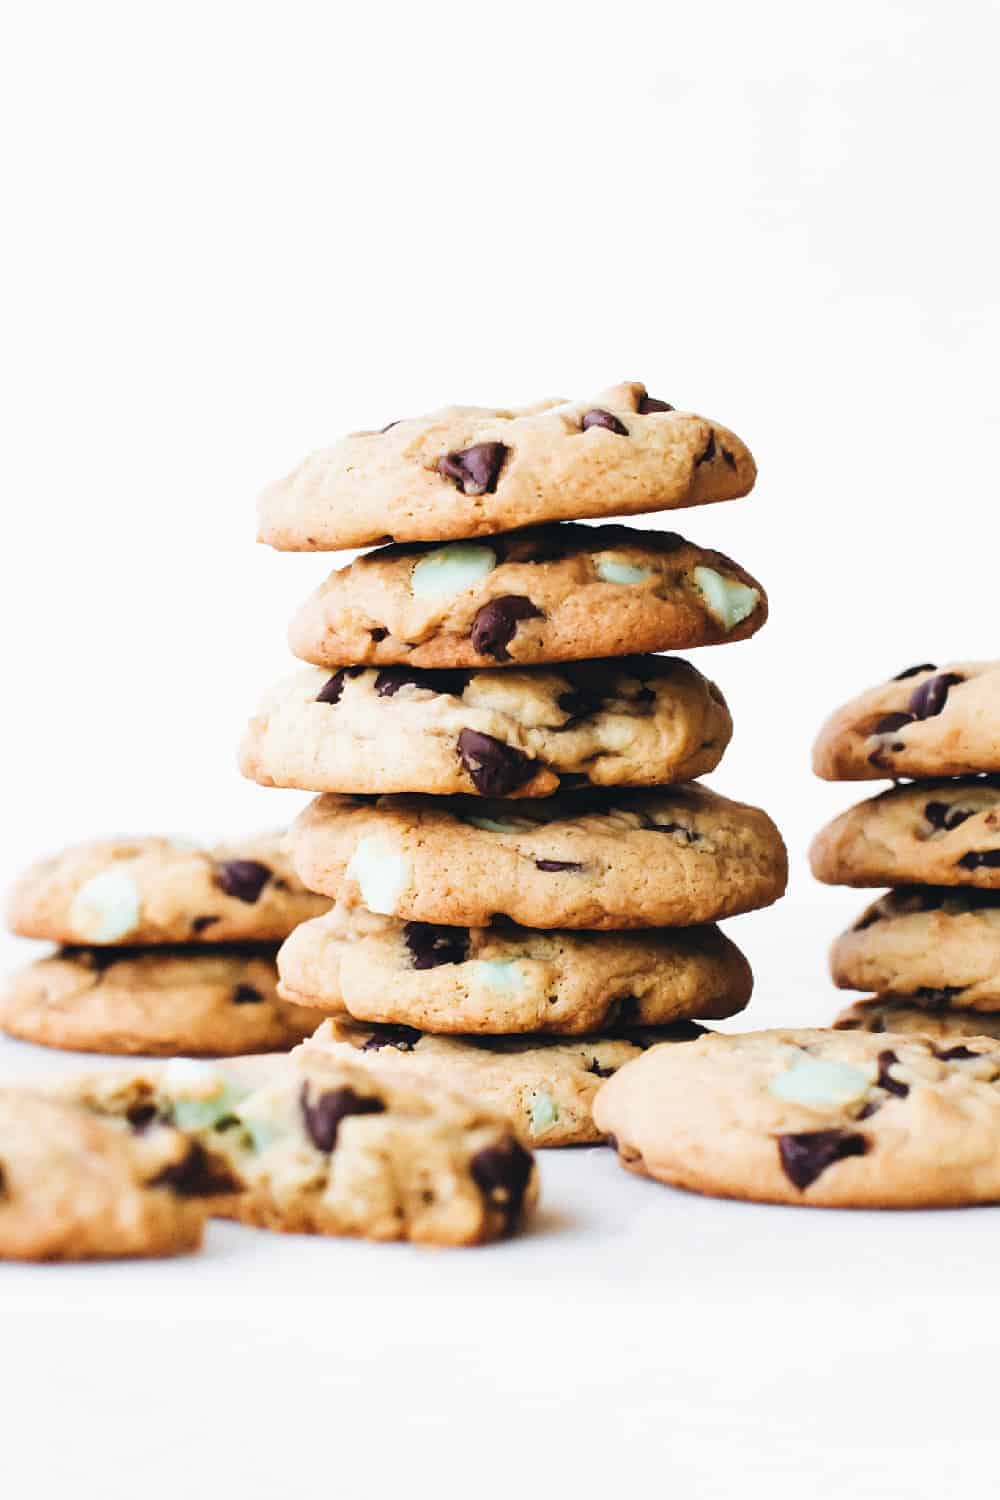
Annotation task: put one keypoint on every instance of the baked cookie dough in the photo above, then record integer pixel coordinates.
(547, 594)
(635, 721)
(471, 471)
(928, 721)
(938, 944)
(507, 979)
(927, 833)
(545, 1086)
(937, 1022)
(157, 1002)
(676, 856)
(837, 1119)
(140, 891)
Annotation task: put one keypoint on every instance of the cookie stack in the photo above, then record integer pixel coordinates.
(930, 948)
(164, 948)
(525, 874)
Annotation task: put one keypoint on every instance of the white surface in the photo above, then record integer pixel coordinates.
(234, 232)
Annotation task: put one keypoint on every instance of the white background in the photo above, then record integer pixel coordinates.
(235, 232)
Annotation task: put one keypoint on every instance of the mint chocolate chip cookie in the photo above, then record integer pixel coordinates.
(930, 944)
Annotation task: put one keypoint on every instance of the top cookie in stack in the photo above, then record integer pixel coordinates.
(493, 651)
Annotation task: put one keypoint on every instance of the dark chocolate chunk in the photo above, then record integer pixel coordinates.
(598, 417)
(324, 1113)
(709, 450)
(924, 666)
(403, 1038)
(243, 879)
(197, 1175)
(649, 404)
(474, 470)
(890, 722)
(389, 681)
(885, 1079)
(245, 994)
(331, 690)
(954, 1054)
(929, 698)
(201, 924)
(496, 769)
(551, 866)
(945, 815)
(141, 1116)
(598, 1070)
(980, 859)
(379, 633)
(431, 946)
(495, 624)
(806, 1156)
(502, 1174)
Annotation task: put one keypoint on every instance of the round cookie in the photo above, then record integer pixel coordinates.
(676, 856)
(76, 1187)
(928, 721)
(471, 471)
(939, 1023)
(636, 721)
(155, 1002)
(928, 833)
(545, 1086)
(507, 979)
(141, 891)
(547, 594)
(836, 1119)
(925, 942)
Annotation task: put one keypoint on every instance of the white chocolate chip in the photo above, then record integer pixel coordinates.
(106, 908)
(191, 1079)
(814, 1081)
(500, 974)
(382, 874)
(727, 600)
(449, 570)
(544, 1112)
(614, 569)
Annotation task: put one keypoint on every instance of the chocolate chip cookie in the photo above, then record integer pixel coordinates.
(843, 1119)
(928, 721)
(545, 1086)
(929, 833)
(676, 856)
(905, 1018)
(471, 471)
(503, 979)
(547, 594)
(522, 733)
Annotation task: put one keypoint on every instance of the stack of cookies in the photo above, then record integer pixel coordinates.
(524, 870)
(930, 948)
(165, 948)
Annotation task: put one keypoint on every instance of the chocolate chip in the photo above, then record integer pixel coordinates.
(141, 1116)
(432, 946)
(475, 470)
(651, 824)
(806, 1156)
(945, 815)
(578, 704)
(885, 1080)
(379, 633)
(245, 994)
(649, 404)
(924, 666)
(954, 1054)
(495, 624)
(981, 859)
(324, 1114)
(403, 1038)
(929, 698)
(728, 458)
(196, 1175)
(554, 865)
(496, 769)
(709, 451)
(601, 1072)
(598, 417)
(890, 722)
(502, 1174)
(333, 687)
(243, 879)
(200, 924)
(874, 1105)
(389, 681)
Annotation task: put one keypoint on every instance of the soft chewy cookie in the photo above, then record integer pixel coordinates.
(545, 1086)
(937, 1022)
(547, 594)
(160, 890)
(509, 979)
(672, 857)
(76, 1187)
(939, 945)
(635, 721)
(838, 1119)
(157, 1001)
(928, 833)
(470, 471)
(928, 721)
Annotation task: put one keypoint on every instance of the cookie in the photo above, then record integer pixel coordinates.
(75, 1187)
(143, 891)
(672, 857)
(548, 594)
(937, 1022)
(928, 721)
(470, 471)
(506, 979)
(837, 1119)
(937, 945)
(157, 1001)
(321, 1146)
(927, 833)
(640, 721)
(545, 1086)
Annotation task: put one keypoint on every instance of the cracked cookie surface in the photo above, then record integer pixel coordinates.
(939, 945)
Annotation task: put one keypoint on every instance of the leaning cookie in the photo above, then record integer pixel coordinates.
(507, 979)
(637, 721)
(835, 1119)
(677, 856)
(140, 891)
(933, 943)
(927, 833)
(928, 721)
(470, 471)
(545, 1086)
(936, 1022)
(547, 594)
(156, 1002)
(76, 1187)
